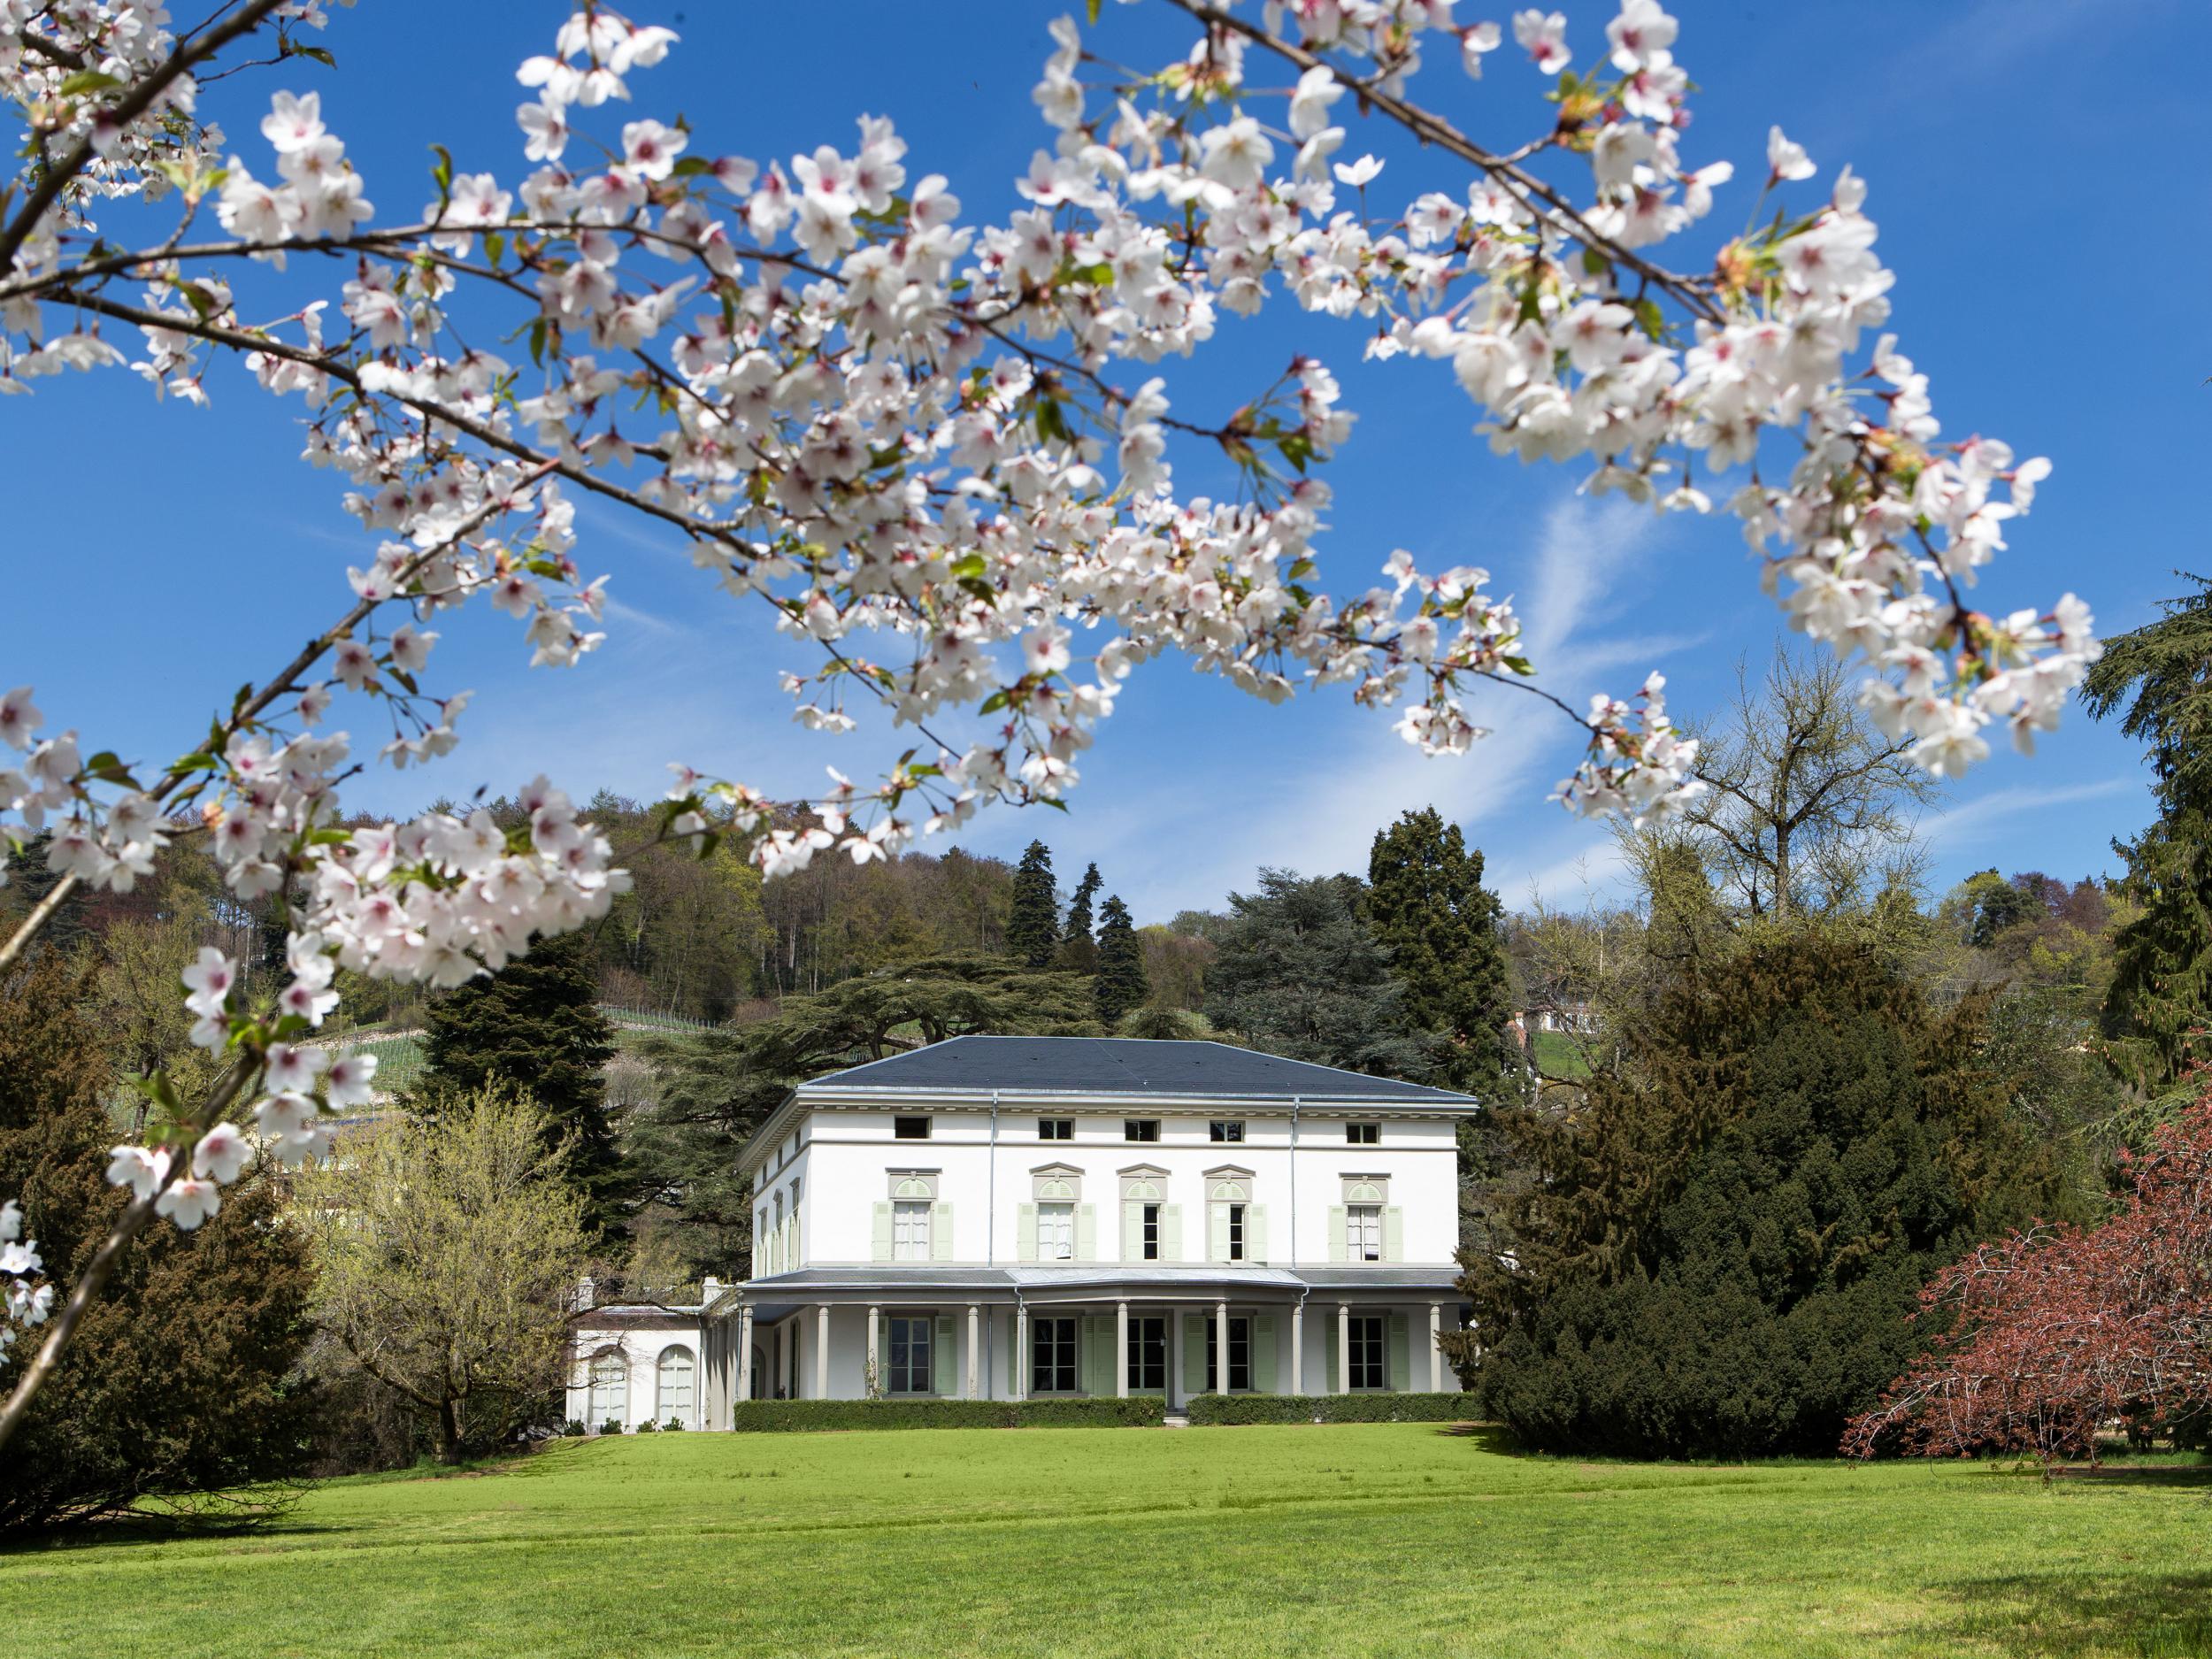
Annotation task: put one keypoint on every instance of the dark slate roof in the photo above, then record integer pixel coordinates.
(1119, 1065)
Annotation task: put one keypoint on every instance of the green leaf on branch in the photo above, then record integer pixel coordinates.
(442, 175)
(86, 80)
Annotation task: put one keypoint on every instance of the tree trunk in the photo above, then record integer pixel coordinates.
(448, 1431)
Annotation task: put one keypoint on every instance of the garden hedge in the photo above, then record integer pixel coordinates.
(787, 1416)
(1382, 1408)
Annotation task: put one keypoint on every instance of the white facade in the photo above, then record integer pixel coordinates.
(1003, 1217)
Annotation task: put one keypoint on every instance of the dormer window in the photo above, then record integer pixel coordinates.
(1363, 1134)
(1056, 1129)
(910, 1128)
(1230, 1129)
(1140, 1129)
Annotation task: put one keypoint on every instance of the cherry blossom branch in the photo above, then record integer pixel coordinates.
(137, 101)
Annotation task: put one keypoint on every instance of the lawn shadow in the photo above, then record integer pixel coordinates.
(2071, 1617)
(1487, 1437)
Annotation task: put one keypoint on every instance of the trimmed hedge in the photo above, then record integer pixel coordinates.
(1385, 1408)
(789, 1416)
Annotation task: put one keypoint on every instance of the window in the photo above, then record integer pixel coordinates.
(1056, 1129)
(1152, 1232)
(1364, 1332)
(1225, 1129)
(909, 1232)
(1363, 1232)
(1056, 1232)
(1236, 1232)
(609, 1389)
(910, 1128)
(1363, 1134)
(909, 1371)
(1147, 1353)
(1052, 1356)
(1239, 1353)
(675, 1385)
(1140, 1129)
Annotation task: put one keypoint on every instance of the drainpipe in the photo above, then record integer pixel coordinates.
(990, 1192)
(1293, 1184)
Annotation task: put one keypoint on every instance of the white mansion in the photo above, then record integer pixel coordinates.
(1014, 1217)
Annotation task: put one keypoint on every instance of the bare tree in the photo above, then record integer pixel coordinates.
(1807, 809)
(445, 1254)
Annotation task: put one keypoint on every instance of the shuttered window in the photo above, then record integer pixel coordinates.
(609, 1389)
(676, 1371)
(909, 1232)
(1052, 1356)
(911, 1370)
(1147, 1353)
(1056, 1232)
(1366, 1333)
(1152, 1232)
(1363, 1231)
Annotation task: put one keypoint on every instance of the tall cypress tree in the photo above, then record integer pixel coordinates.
(2161, 997)
(1033, 929)
(1077, 950)
(1427, 904)
(536, 1025)
(1120, 985)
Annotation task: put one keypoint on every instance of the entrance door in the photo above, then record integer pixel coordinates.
(1052, 1356)
(1147, 1353)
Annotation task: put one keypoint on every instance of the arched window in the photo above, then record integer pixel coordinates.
(1230, 1193)
(1050, 1191)
(911, 1188)
(609, 1389)
(1142, 1193)
(1363, 1193)
(675, 1385)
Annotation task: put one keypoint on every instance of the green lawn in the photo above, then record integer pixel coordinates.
(1367, 1539)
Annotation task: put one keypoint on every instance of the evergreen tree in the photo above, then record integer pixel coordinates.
(2160, 1001)
(1731, 1232)
(1033, 929)
(1077, 950)
(1301, 973)
(1120, 983)
(536, 1026)
(180, 1380)
(1443, 928)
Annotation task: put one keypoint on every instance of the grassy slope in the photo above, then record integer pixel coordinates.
(1381, 1538)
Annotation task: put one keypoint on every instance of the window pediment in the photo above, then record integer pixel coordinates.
(1228, 1172)
(1142, 1173)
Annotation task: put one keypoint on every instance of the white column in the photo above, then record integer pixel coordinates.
(873, 1376)
(1018, 1383)
(975, 1335)
(821, 1351)
(1221, 1347)
(1175, 1357)
(745, 1352)
(1343, 1348)
(1297, 1348)
(1121, 1350)
(1436, 1348)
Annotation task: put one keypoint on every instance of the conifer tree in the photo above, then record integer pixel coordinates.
(2160, 1003)
(535, 1024)
(1427, 905)
(1033, 929)
(1077, 950)
(1120, 984)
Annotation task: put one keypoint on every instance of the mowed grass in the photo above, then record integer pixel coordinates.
(1359, 1538)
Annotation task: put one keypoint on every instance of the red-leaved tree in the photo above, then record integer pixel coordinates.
(2056, 1330)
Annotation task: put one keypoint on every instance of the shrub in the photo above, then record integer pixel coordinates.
(648, 1427)
(1208, 1409)
(786, 1416)
(575, 1427)
(613, 1426)
(672, 1425)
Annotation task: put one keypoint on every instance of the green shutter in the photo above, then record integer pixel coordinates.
(1263, 1353)
(883, 1233)
(1194, 1354)
(1098, 1354)
(1337, 1250)
(1330, 1373)
(1217, 1232)
(1400, 1361)
(1132, 1233)
(942, 1357)
(1170, 1233)
(1025, 1232)
(1255, 1232)
(1087, 1233)
(1394, 1235)
(940, 1233)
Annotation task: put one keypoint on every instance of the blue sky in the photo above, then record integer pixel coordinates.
(2035, 168)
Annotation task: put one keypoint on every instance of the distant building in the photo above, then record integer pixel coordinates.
(1007, 1218)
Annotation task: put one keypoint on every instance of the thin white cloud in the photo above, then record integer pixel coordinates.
(2004, 815)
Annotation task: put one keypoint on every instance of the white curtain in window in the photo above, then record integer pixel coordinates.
(609, 1388)
(1056, 1232)
(909, 1232)
(675, 1385)
(1363, 1227)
